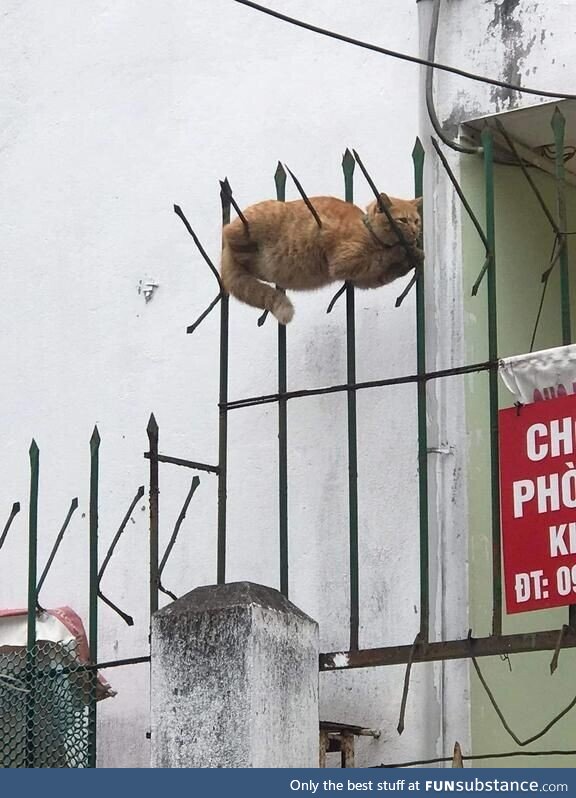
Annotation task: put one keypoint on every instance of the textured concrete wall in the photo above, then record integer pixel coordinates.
(234, 681)
(528, 42)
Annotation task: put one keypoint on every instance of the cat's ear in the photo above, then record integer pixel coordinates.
(385, 200)
(417, 202)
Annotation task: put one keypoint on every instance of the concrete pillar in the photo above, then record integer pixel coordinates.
(234, 681)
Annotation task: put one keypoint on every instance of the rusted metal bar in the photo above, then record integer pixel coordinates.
(179, 461)
(447, 650)
(251, 401)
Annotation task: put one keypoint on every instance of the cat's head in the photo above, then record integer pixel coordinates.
(406, 213)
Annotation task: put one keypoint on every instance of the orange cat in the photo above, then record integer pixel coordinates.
(285, 246)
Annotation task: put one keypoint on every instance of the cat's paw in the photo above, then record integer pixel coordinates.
(284, 310)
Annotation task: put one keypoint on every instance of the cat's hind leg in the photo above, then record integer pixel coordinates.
(244, 286)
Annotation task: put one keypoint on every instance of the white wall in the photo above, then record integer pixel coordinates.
(111, 112)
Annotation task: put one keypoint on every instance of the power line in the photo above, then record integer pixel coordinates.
(404, 56)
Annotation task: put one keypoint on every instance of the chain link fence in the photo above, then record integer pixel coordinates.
(45, 700)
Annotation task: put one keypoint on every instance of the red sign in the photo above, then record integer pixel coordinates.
(538, 503)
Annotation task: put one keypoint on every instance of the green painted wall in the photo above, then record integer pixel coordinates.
(527, 694)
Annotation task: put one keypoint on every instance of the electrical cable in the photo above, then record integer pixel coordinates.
(435, 122)
(404, 56)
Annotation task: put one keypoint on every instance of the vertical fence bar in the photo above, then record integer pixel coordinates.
(280, 181)
(348, 165)
(488, 148)
(559, 129)
(418, 161)
(31, 625)
(152, 432)
(93, 571)
(223, 416)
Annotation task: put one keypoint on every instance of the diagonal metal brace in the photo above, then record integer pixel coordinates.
(13, 512)
(178, 211)
(397, 231)
(336, 297)
(172, 541)
(469, 211)
(528, 176)
(302, 193)
(56, 546)
(191, 327)
(415, 644)
(405, 292)
(127, 618)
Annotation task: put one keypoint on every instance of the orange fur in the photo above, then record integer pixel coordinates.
(285, 246)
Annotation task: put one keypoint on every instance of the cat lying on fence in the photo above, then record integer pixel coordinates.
(284, 245)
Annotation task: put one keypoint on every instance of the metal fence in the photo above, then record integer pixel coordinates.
(48, 691)
(48, 702)
(422, 648)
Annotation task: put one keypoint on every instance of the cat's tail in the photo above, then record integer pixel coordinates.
(244, 286)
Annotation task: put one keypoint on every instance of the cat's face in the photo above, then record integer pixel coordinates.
(406, 213)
